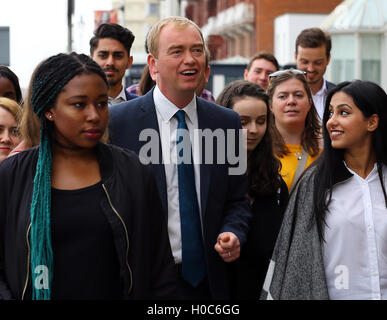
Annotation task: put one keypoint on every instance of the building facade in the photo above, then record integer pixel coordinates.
(359, 41)
(244, 27)
(139, 16)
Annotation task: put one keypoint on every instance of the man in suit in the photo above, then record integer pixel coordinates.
(313, 53)
(205, 190)
(110, 48)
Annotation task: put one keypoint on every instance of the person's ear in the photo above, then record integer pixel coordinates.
(207, 73)
(245, 74)
(49, 115)
(373, 123)
(152, 66)
(130, 61)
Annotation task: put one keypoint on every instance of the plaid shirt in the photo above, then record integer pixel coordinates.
(134, 88)
(207, 95)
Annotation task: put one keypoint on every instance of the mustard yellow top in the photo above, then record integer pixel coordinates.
(290, 162)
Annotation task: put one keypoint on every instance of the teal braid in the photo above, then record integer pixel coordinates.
(50, 78)
(41, 249)
(47, 88)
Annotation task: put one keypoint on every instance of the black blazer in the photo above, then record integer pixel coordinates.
(249, 271)
(330, 85)
(224, 205)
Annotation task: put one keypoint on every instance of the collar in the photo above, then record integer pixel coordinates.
(374, 172)
(341, 173)
(106, 161)
(120, 95)
(167, 109)
(323, 89)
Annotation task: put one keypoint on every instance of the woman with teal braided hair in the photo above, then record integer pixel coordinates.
(79, 219)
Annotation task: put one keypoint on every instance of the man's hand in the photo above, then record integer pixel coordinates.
(228, 246)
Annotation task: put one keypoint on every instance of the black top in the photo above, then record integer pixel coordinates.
(85, 259)
(249, 271)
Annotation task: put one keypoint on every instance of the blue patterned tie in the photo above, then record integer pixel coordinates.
(193, 261)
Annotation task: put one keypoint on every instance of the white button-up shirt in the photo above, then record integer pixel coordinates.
(165, 111)
(319, 100)
(355, 251)
(121, 97)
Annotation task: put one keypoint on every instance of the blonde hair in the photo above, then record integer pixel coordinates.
(12, 107)
(154, 33)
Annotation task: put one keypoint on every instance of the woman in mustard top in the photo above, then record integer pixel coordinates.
(295, 127)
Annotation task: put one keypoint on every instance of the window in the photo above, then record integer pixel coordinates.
(343, 58)
(370, 57)
(153, 9)
(4, 47)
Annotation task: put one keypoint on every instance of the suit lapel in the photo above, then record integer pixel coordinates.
(148, 120)
(204, 122)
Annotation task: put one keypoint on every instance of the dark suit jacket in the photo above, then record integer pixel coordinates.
(224, 205)
(330, 85)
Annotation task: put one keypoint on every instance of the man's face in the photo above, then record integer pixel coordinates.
(259, 72)
(180, 65)
(313, 61)
(113, 58)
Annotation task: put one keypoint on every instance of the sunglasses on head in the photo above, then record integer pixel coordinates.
(281, 72)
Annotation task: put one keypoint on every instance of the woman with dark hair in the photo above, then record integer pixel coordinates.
(9, 85)
(295, 127)
(79, 219)
(266, 189)
(332, 242)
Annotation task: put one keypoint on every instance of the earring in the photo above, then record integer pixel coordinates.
(50, 116)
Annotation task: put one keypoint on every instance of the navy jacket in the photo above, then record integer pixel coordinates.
(330, 85)
(224, 204)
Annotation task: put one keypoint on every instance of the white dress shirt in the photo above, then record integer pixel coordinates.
(319, 100)
(165, 111)
(355, 251)
(120, 98)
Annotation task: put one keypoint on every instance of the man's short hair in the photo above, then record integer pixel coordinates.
(154, 33)
(113, 31)
(314, 38)
(263, 55)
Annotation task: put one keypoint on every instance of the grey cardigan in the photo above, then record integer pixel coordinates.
(296, 270)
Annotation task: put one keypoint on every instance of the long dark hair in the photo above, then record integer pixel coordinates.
(48, 81)
(310, 136)
(5, 72)
(263, 167)
(370, 99)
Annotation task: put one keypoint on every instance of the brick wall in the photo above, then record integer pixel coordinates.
(265, 13)
(267, 10)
